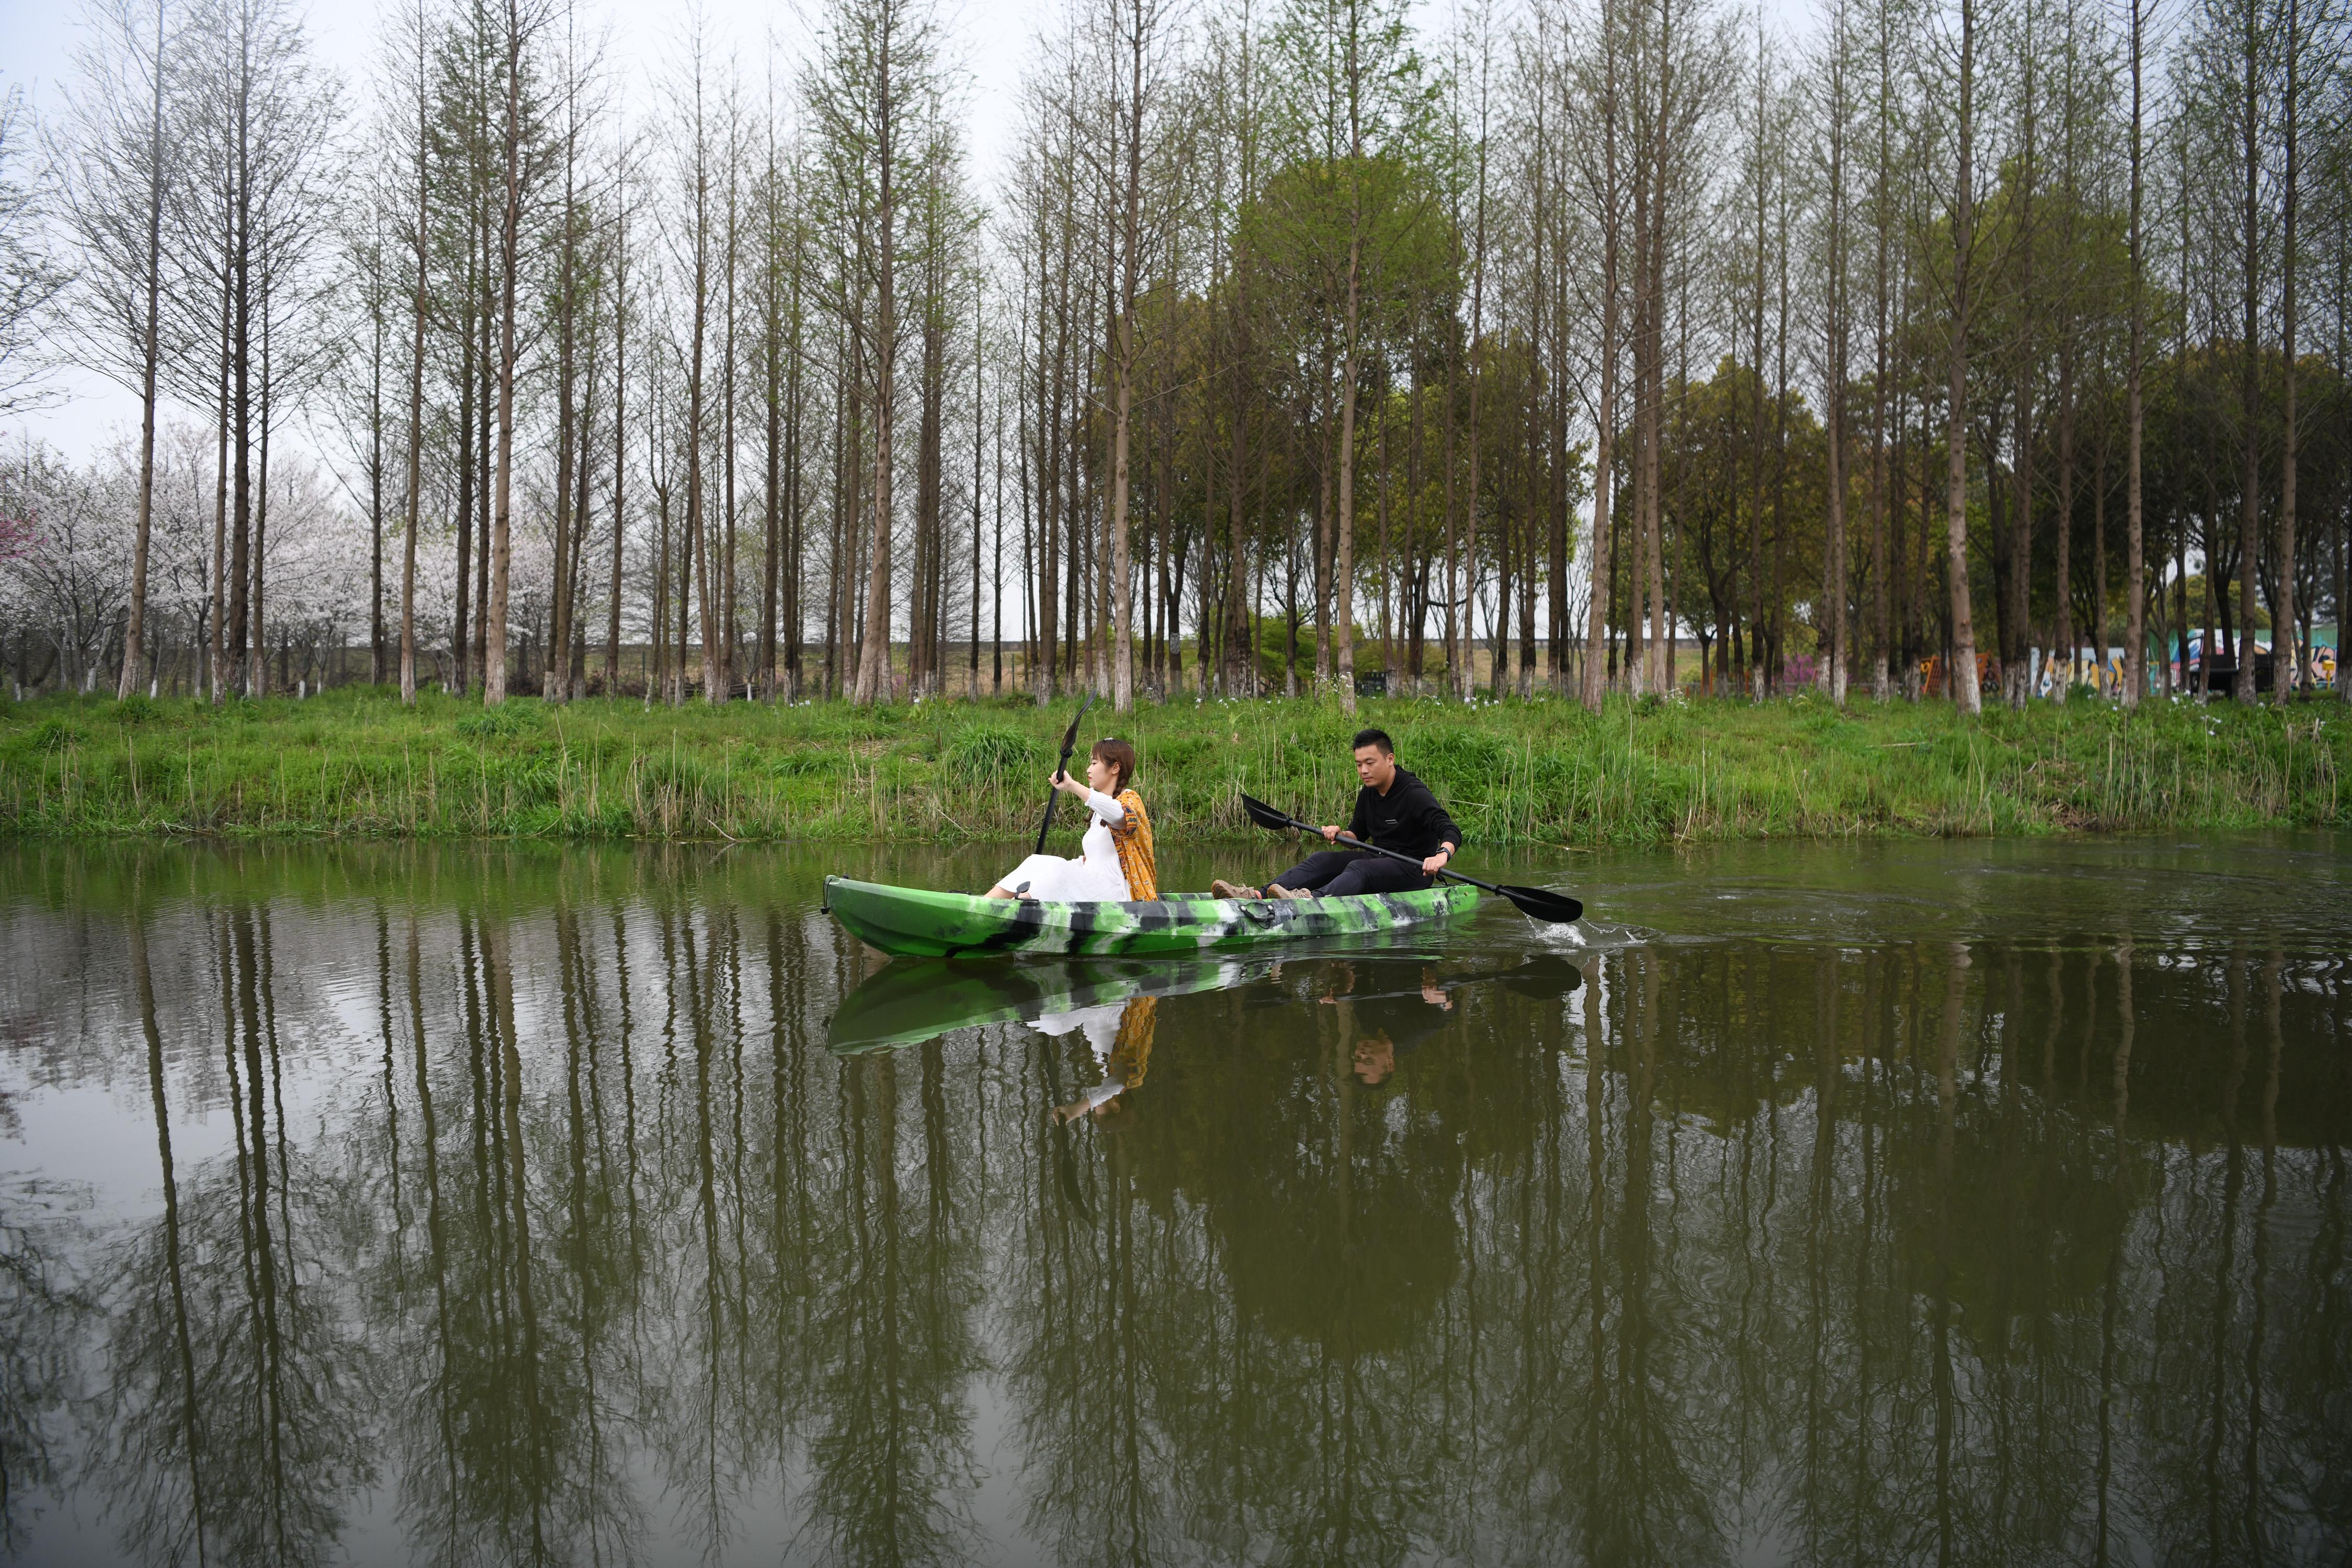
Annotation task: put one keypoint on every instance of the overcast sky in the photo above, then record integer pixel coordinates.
(38, 39)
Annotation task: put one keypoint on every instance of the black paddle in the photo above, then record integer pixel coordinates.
(1069, 744)
(1535, 902)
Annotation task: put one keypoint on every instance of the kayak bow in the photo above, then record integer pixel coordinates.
(915, 923)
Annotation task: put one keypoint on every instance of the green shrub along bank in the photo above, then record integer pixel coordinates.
(1544, 772)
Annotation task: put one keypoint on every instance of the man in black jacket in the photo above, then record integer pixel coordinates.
(1395, 811)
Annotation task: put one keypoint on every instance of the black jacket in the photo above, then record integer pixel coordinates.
(1407, 819)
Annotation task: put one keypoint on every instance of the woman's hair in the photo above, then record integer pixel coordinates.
(1121, 756)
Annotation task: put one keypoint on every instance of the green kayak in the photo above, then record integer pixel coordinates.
(914, 922)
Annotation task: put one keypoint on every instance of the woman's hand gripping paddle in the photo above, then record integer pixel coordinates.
(1069, 744)
(1535, 902)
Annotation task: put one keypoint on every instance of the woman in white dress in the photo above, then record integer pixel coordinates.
(1118, 840)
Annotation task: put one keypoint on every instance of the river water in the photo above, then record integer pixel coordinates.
(1939, 1201)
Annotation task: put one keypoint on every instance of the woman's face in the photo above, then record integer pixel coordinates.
(1100, 775)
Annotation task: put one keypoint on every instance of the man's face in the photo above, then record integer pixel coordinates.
(1375, 1059)
(1375, 767)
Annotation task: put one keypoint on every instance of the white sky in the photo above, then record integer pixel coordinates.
(38, 37)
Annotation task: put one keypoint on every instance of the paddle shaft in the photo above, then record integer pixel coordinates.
(1054, 797)
(1355, 843)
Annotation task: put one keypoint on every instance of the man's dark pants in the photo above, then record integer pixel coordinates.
(1338, 873)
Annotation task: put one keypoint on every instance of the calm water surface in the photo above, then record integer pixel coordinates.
(1922, 1202)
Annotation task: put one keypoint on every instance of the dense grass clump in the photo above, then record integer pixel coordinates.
(359, 764)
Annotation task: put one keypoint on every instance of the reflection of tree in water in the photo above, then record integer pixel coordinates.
(41, 1316)
(889, 1441)
(1647, 1501)
(1226, 1334)
(242, 1373)
(2245, 1270)
(1852, 1306)
(630, 1247)
(151, 1409)
(1906, 1253)
(508, 1451)
(699, 1194)
(782, 1253)
(1100, 1332)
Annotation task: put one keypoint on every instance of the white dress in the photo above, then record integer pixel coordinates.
(1094, 875)
(1099, 1023)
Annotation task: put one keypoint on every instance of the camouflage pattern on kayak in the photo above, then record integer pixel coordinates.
(914, 922)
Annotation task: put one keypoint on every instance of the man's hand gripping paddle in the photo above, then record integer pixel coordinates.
(1535, 902)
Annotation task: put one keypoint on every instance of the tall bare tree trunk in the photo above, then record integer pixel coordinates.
(1464, 656)
(420, 306)
(1653, 330)
(2063, 641)
(1241, 657)
(1835, 578)
(258, 683)
(1757, 672)
(467, 471)
(2249, 476)
(2135, 553)
(1049, 488)
(2016, 606)
(494, 610)
(725, 598)
(873, 657)
(1881, 629)
(1604, 417)
(1123, 364)
(241, 373)
(570, 442)
(376, 456)
(620, 453)
(1344, 515)
(1963, 669)
(135, 621)
(2284, 664)
(219, 616)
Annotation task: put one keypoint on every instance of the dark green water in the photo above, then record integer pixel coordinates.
(1923, 1203)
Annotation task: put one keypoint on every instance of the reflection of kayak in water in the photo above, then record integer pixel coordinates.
(913, 1000)
(909, 922)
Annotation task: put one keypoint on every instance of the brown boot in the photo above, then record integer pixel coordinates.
(1277, 890)
(1225, 889)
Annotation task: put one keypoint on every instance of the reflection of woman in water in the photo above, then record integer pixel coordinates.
(1115, 861)
(1125, 1059)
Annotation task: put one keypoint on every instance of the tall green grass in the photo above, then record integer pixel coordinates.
(359, 764)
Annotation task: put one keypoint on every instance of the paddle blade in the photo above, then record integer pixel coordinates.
(1069, 744)
(1070, 735)
(1265, 815)
(1539, 903)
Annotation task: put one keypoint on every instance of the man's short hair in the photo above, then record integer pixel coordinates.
(1375, 737)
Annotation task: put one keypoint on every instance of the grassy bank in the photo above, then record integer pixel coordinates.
(1545, 772)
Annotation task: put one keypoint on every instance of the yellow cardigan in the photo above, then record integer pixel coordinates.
(1132, 837)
